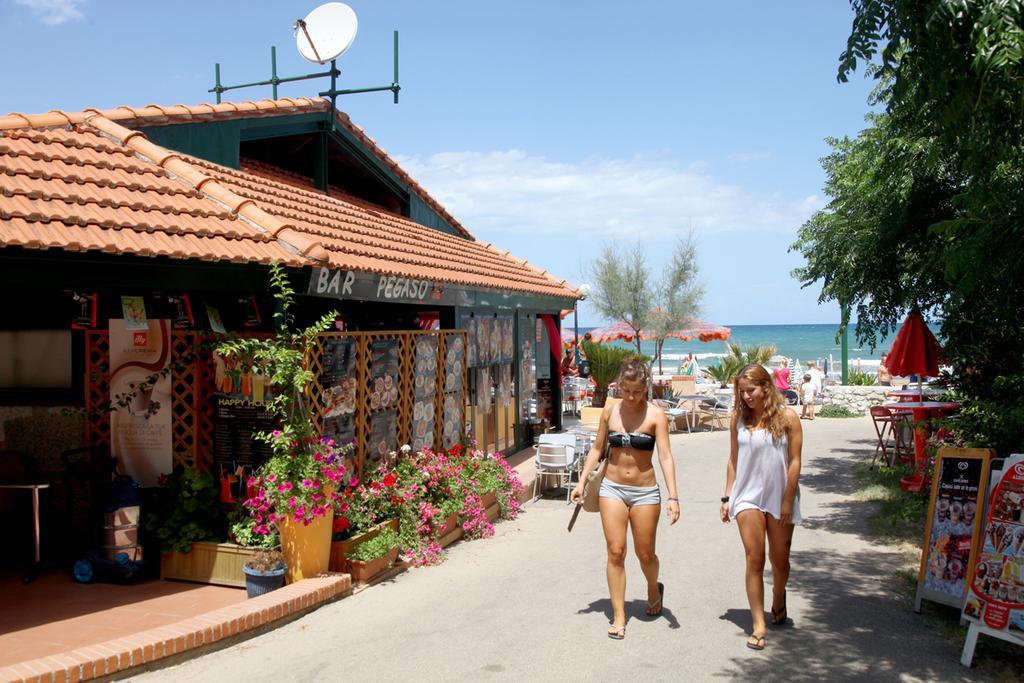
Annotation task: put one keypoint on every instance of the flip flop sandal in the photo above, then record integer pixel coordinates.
(617, 632)
(779, 615)
(756, 642)
(654, 608)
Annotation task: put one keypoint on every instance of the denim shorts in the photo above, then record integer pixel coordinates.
(630, 495)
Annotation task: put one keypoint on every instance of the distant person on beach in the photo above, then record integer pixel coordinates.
(817, 376)
(808, 392)
(629, 493)
(584, 364)
(781, 374)
(688, 367)
(884, 376)
(762, 490)
(569, 365)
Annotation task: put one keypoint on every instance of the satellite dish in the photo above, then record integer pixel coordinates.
(326, 32)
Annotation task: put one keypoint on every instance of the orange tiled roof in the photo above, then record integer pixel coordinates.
(152, 115)
(82, 181)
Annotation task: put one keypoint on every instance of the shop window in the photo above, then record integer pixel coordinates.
(38, 366)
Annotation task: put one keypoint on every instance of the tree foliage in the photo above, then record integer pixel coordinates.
(927, 203)
(623, 290)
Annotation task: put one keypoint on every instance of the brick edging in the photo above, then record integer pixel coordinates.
(142, 649)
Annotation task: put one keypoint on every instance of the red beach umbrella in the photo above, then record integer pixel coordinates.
(915, 350)
(696, 330)
(704, 331)
(615, 332)
(569, 336)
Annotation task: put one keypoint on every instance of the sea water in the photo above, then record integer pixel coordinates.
(795, 342)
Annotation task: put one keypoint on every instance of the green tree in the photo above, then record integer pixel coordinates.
(927, 203)
(624, 291)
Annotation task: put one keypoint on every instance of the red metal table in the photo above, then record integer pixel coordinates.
(914, 394)
(920, 411)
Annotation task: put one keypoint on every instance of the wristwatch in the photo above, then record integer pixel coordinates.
(725, 499)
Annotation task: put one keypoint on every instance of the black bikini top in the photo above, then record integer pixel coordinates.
(637, 440)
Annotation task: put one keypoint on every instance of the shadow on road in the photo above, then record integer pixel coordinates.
(635, 609)
(841, 635)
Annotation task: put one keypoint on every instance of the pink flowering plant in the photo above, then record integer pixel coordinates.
(301, 483)
(422, 489)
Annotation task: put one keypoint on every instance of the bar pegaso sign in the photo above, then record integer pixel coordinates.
(350, 284)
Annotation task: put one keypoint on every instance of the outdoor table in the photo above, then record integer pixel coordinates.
(35, 487)
(920, 411)
(914, 394)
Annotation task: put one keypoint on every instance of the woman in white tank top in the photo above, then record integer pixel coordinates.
(761, 489)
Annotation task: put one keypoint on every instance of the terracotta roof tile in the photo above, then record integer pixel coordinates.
(83, 181)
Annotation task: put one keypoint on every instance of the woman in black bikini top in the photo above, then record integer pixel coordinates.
(629, 495)
(639, 441)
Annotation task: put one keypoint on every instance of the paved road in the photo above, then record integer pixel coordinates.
(532, 601)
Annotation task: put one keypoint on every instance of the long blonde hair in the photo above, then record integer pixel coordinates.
(774, 415)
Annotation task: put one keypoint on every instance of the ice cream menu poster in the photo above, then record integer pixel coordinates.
(996, 597)
(958, 487)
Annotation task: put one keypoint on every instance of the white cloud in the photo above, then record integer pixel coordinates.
(744, 157)
(53, 12)
(515, 193)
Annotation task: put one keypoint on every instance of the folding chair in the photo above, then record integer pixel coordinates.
(886, 429)
(556, 459)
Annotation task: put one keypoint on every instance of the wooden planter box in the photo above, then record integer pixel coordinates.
(364, 572)
(340, 549)
(216, 563)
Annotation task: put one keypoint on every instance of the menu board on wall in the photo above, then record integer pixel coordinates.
(953, 525)
(383, 374)
(424, 393)
(340, 384)
(995, 602)
(483, 390)
(505, 342)
(455, 356)
(472, 325)
(483, 341)
(527, 380)
(383, 435)
(505, 393)
(451, 428)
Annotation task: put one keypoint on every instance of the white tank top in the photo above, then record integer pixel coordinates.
(761, 466)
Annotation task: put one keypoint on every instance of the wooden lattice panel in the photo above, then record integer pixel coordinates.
(97, 389)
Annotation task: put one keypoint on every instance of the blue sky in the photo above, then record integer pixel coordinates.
(549, 129)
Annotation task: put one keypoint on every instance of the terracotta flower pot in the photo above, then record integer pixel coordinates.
(364, 572)
(450, 524)
(341, 549)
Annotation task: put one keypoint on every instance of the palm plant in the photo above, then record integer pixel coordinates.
(725, 370)
(752, 354)
(605, 364)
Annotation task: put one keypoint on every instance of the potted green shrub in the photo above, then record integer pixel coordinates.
(264, 572)
(374, 556)
(605, 364)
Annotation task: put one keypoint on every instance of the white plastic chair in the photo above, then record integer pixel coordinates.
(717, 408)
(556, 459)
